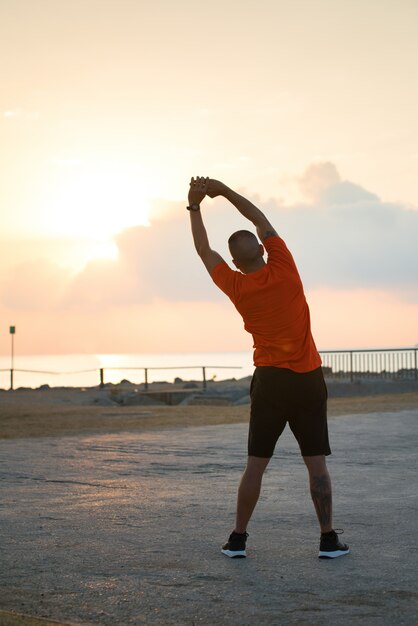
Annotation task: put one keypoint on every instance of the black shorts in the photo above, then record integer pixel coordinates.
(278, 396)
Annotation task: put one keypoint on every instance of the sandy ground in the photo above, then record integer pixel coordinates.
(63, 412)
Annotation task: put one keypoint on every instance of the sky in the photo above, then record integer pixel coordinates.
(108, 107)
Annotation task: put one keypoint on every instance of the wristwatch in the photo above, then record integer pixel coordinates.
(194, 207)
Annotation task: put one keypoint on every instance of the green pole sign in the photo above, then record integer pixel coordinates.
(12, 330)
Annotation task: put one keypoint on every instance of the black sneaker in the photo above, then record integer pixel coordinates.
(235, 546)
(330, 546)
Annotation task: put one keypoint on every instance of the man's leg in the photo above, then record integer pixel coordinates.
(320, 485)
(249, 491)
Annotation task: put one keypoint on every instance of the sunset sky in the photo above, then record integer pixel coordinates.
(108, 107)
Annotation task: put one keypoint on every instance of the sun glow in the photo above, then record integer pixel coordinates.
(105, 249)
(96, 202)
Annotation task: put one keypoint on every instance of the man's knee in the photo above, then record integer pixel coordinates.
(316, 465)
(256, 465)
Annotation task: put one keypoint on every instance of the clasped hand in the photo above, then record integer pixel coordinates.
(201, 187)
(198, 189)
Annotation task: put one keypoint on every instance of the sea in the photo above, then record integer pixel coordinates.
(83, 370)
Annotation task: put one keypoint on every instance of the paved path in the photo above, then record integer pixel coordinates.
(126, 529)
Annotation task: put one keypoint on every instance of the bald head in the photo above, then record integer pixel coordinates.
(245, 248)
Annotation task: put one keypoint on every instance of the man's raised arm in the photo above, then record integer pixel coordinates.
(244, 206)
(197, 192)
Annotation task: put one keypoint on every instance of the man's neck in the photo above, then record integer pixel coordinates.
(254, 267)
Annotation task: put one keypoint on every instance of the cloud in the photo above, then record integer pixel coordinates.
(34, 285)
(156, 262)
(321, 184)
(350, 238)
(346, 193)
(345, 237)
(317, 178)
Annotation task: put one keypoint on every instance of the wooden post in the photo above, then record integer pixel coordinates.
(101, 377)
(146, 378)
(204, 377)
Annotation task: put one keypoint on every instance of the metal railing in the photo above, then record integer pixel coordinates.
(391, 363)
(101, 371)
(203, 368)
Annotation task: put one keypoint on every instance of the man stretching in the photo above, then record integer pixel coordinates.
(288, 383)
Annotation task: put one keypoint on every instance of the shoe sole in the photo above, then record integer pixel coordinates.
(332, 555)
(234, 554)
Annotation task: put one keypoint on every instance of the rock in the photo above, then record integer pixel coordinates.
(206, 400)
(139, 399)
(231, 392)
(104, 402)
(188, 400)
(243, 400)
(190, 386)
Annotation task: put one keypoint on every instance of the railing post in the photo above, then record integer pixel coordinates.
(101, 377)
(416, 364)
(204, 377)
(11, 379)
(351, 367)
(146, 377)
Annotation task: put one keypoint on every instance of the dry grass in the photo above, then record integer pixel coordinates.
(24, 416)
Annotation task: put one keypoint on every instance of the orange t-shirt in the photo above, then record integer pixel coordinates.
(273, 306)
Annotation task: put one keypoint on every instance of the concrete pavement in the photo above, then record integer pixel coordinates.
(126, 528)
